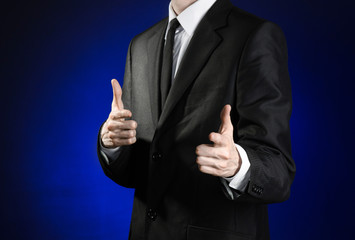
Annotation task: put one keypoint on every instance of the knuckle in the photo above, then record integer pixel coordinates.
(131, 133)
(222, 165)
(114, 115)
(110, 126)
(110, 134)
(104, 127)
(224, 154)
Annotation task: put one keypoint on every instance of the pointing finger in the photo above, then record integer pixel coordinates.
(206, 150)
(120, 114)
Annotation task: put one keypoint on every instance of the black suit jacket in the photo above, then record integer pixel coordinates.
(233, 58)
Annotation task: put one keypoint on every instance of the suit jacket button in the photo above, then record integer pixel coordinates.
(257, 189)
(152, 215)
(156, 156)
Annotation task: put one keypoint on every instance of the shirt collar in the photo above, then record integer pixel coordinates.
(191, 16)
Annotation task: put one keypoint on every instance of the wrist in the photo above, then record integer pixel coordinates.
(238, 164)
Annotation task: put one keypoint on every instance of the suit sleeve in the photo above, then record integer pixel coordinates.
(263, 105)
(126, 170)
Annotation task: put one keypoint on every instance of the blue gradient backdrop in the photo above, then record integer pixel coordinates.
(57, 60)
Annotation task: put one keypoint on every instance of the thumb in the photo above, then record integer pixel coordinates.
(117, 94)
(226, 123)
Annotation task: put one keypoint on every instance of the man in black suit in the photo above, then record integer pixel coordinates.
(201, 127)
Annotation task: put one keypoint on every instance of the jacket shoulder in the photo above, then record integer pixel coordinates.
(143, 36)
(247, 16)
(248, 20)
(250, 24)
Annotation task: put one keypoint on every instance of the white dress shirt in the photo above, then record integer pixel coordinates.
(189, 20)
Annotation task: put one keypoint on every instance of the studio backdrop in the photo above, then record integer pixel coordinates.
(57, 60)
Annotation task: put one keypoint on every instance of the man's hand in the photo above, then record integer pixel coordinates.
(221, 158)
(117, 131)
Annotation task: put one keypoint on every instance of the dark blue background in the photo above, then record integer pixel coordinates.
(57, 60)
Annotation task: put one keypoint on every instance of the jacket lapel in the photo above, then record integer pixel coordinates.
(201, 46)
(154, 47)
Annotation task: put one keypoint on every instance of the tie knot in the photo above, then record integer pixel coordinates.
(174, 24)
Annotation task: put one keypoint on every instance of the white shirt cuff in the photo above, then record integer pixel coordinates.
(240, 180)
